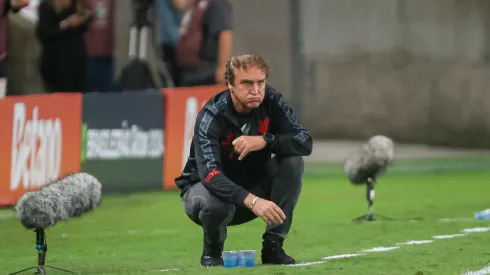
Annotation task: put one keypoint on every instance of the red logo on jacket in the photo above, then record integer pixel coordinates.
(211, 174)
(264, 125)
(227, 147)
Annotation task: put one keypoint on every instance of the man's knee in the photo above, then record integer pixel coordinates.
(201, 206)
(216, 210)
(293, 166)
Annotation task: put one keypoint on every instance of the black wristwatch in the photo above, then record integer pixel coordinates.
(269, 138)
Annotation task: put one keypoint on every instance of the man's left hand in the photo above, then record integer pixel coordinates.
(246, 144)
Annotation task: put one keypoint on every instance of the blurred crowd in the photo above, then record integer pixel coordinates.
(77, 41)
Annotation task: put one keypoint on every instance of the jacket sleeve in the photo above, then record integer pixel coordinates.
(84, 27)
(208, 159)
(290, 137)
(48, 25)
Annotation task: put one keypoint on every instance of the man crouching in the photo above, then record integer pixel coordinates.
(230, 177)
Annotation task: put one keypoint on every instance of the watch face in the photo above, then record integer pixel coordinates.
(269, 136)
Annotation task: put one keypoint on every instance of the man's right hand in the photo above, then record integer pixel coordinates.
(72, 21)
(268, 211)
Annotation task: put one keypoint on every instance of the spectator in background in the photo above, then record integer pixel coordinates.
(205, 42)
(60, 30)
(169, 13)
(99, 41)
(5, 7)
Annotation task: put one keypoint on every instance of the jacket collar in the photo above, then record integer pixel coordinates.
(231, 115)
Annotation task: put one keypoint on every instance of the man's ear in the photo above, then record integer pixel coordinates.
(229, 85)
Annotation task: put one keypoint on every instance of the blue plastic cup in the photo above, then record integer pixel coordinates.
(230, 259)
(246, 258)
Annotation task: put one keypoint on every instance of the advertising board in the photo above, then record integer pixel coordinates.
(39, 141)
(122, 140)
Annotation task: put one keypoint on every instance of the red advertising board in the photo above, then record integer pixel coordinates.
(39, 141)
(181, 108)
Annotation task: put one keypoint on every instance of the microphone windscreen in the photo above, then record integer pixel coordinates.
(59, 200)
(370, 161)
(382, 150)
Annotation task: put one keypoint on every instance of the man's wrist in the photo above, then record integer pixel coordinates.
(253, 203)
(269, 139)
(250, 200)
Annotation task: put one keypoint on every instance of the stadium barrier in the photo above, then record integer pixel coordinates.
(131, 141)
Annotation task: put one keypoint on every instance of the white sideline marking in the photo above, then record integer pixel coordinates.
(440, 237)
(307, 263)
(342, 256)
(476, 229)
(381, 249)
(457, 220)
(416, 242)
(483, 271)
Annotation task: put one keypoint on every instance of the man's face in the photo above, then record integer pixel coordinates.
(249, 86)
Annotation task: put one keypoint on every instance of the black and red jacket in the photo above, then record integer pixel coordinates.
(212, 159)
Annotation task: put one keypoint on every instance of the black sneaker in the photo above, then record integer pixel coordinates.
(211, 255)
(272, 253)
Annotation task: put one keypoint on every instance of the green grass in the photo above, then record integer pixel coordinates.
(144, 233)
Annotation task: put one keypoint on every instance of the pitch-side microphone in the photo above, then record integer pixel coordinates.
(371, 161)
(367, 164)
(59, 200)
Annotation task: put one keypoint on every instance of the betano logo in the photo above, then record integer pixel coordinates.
(36, 148)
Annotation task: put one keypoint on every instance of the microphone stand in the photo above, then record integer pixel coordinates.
(370, 193)
(370, 198)
(42, 248)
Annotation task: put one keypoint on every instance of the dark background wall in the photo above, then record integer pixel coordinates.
(417, 70)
